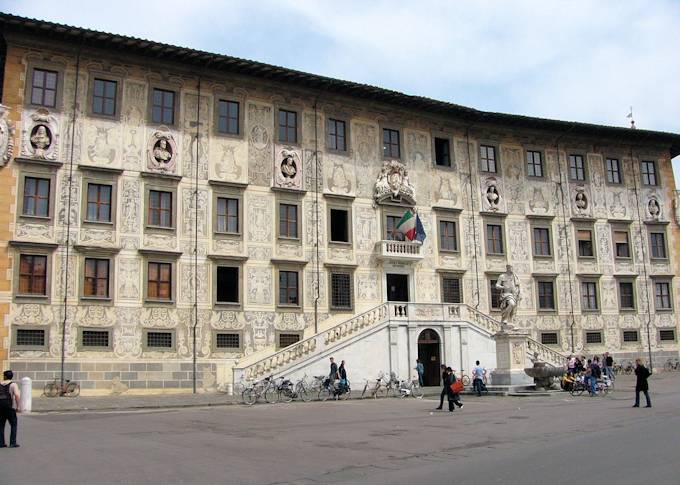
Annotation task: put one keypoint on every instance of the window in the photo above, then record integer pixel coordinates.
(160, 208)
(391, 223)
(288, 339)
(36, 197)
(44, 88)
(227, 215)
(577, 169)
(549, 338)
(288, 221)
(487, 158)
(648, 170)
(98, 203)
(336, 137)
(589, 300)
(534, 163)
(662, 294)
(163, 107)
(96, 282)
(104, 97)
(33, 275)
(289, 291)
(30, 337)
(546, 295)
(495, 295)
(442, 152)
(448, 240)
(227, 340)
(630, 335)
(159, 340)
(657, 243)
(391, 143)
(451, 290)
(584, 238)
(287, 126)
(341, 290)
(94, 338)
(542, 241)
(159, 281)
(621, 244)
(494, 239)
(667, 335)
(626, 295)
(613, 171)
(339, 220)
(227, 284)
(228, 117)
(593, 338)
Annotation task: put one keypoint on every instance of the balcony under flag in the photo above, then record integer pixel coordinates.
(411, 227)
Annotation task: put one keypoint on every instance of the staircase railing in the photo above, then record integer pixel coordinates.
(550, 356)
(272, 363)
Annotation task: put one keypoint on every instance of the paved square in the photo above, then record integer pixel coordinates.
(554, 440)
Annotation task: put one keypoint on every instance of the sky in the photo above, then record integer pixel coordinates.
(572, 60)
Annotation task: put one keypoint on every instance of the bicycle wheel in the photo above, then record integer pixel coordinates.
(417, 391)
(272, 395)
(249, 397)
(380, 391)
(72, 389)
(286, 394)
(466, 381)
(603, 388)
(576, 390)
(51, 389)
(325, 394)
(345, 395)
(304, 393)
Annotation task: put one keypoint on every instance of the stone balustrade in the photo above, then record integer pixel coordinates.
(400, 250)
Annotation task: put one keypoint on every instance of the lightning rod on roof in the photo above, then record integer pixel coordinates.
(632, 121)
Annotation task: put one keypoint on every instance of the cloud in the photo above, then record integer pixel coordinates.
(576, 60)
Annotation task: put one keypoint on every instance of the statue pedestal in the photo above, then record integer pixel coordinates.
(511, 359)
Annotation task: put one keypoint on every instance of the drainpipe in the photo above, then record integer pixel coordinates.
(198, 139)
(472, 206)
(67, 242)
(317, 271)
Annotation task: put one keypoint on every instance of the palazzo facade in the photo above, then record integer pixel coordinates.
(153, 194)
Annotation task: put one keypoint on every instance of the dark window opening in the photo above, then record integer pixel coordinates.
(534, 164)
(630, 335)
(667, 335)
(442, 152)
(287, 126)
(341, 290)
(30, 337)
(159, 340)
(495, 295)
(549, 338)
(336, 137)
(577, 170)
(159, 281)
(658, 243)
(626, 295)
(104, 97)
(542, 241)
(32, 275)
(160, 208)
(494, 239)
(593, 337)
(95, 338)
(36, 197)
(391, 143)
(447, 236)
(163, 107)
(96, 278)
(451, 290)
(227, 215)
(288, 339)
(98, 203)
(228, 340)
(227, 283)
(288, 288)
(228, 117)
(589, 295)
(621, 244)
(288, 217)
(648, 169)
(546, 295)
(585, 243)
(613, 171)
(662, 292)
(339, 225)
(487, 157)
(44, 88)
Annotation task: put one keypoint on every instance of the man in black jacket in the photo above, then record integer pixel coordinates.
(445, 374)
(642, 374)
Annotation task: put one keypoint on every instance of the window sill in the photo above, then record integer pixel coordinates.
(547, 311)
(28, 348)
(98, 300)
(541, 257)
(659, 260)
(623, 259)
(663, 310)
(450, 252)
(158, 349)
(588, 259)
(289, 307)
(590, 312)
(340, 243)
(230, 235)
(159, 302)
(95, 349)
(35, 218)
(627, 310)
(32, 297)
(160, 228)
(342, 309)
(496, 255)
(227, 305)
(290, 239)
(443, 167)
(99, 223)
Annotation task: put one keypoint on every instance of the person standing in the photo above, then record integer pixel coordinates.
(445, 375)
(342, 373)
(478, 378)
(641, 384)
(333, 374)
(453, 397)
(609, 365)
(571, 363)
(10, 405)
(420, 369)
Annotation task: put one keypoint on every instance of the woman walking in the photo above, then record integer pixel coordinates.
(641, 385)
(452, 396)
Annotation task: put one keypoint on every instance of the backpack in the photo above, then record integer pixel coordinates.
(597, 372)
(5, 396)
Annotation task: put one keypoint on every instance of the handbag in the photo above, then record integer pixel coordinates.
(457, 387)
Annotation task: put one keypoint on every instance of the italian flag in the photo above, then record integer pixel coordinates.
(411, 227)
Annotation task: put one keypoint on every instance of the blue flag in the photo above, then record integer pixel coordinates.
(420, 230)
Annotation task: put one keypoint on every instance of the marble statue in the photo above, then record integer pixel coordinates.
(508, 284)
(288, 167)
(40, 140)
(161, 152)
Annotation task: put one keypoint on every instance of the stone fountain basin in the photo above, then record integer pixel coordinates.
(544, 371)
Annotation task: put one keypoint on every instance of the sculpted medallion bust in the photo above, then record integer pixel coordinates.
(161, 152)
(40, 140)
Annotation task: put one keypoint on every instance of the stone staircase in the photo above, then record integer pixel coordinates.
(377, 317)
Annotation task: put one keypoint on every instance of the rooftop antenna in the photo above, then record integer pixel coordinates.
(632, 121)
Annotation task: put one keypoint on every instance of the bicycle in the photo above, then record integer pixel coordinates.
(303, 390)
(465, 378)
(410, 388)
(377, 389)
(671, 365)
(281, 389)
(335, 390)
(56, 388)
(255, 390)
(392, 387)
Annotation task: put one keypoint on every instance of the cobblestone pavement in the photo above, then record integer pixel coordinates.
(508, 440)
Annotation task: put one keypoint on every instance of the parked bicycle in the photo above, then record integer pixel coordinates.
(255, 390)
(56, 388)
(335, 390)
(374, 389)
(281, 389)
(410, 388)
(671, 365)
(580, 385)
(304, 390)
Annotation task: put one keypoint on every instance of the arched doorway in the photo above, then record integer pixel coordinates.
(429, 355)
